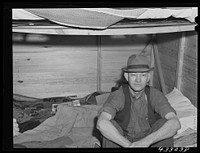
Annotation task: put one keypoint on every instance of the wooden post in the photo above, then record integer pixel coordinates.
(180, 61)
(99, 63)
(152, 65)
(157, 61)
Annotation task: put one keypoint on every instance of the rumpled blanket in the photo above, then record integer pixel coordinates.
(62, 124)
(30, 113)
(187, 138)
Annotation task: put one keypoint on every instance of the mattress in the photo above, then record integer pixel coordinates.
(100, 18)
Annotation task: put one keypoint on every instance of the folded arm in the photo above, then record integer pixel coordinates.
(169, 128)
(108, 130)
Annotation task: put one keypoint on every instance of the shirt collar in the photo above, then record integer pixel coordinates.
(134, 95)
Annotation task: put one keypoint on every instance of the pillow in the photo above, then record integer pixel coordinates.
(186, 111)
(181, 104)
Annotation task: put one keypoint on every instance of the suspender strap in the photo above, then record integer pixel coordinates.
(152, 115)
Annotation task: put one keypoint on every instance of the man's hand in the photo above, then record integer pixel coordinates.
(15, 128)
(139, 144)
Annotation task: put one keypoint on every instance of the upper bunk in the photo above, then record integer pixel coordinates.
(104, 21)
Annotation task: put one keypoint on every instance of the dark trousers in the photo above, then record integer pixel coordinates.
(168, 142)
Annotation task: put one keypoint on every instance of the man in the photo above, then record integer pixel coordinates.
(137, 115)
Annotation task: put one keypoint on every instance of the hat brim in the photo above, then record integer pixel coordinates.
(137, 70)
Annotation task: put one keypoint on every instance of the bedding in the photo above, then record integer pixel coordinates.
(101, 18)
(31, 113)
(70, 126)
(67, 122)
(75, 126)
(187, 114)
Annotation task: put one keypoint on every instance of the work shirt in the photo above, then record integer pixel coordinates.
(139, 111)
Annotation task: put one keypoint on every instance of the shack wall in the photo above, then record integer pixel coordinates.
(189, 73)
(49, 65)
(169, 46)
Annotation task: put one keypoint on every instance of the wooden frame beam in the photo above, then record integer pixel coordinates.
(180, 61)
(157, 61)
(99, 63)
(152, 65)
(61, 30)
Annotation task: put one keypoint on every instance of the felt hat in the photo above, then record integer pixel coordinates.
(137, 63)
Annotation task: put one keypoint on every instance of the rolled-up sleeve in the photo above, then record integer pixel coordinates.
(113, 104)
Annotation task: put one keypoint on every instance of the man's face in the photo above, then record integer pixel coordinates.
(137, 81)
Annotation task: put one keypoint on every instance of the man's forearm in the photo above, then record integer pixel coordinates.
(109, 131)
(167, 130)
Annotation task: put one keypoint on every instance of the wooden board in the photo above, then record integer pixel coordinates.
(180, 61)
(61, 30)
(168, 47)
(67, 65)
(189, 72)
(53, 71)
